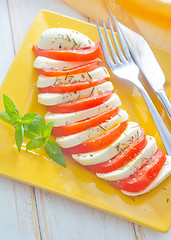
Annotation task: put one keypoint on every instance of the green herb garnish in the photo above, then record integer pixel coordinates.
(66, 76)
(75, 44)
(89, 75)
(69, 39)
(32, 127)
(102, 128)
(92, 91)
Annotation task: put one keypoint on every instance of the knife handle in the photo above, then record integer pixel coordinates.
(165, 100)
(161, 127)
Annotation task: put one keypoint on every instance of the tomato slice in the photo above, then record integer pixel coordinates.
(80, 126)
(79, 105)
(87, 67)
(122, 158)
(85, 54)
(98, 142)
(63, 88)
(141, 179)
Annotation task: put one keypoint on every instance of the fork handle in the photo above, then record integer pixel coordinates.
(162, 129)
(165, 100)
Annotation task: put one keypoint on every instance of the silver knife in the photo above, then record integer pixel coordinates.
(147, 63)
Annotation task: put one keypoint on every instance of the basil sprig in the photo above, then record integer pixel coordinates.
(32, 127)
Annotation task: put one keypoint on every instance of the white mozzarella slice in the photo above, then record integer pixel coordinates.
(131, 133)
(163, 174)
(43, 62)
(134, 165)
(75, 139)
(50, 99)
(45, 81)
(63, 38)
(62, 119)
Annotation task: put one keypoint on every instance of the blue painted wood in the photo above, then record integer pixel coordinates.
(18, 216)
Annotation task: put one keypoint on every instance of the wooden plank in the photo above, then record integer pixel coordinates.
(23, 13)
(62, 219)
(18, 216)
(148, 234)
(6, 45)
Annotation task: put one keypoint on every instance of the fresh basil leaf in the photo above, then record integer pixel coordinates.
(35, 143)
(37, 124)
(10, 107)
(46, 131)
(30, 134)
(19, 135)
(7, 118)
(28, 117)
(54, 152)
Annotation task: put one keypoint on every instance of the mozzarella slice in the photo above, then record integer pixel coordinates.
(49, 99)
(63, 38)
(62, 119)
(163, 174)
(44, 81)
(131, 133)
(134, 165)
(75, 139)
(43, 62)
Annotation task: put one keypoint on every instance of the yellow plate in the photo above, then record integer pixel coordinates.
(151, 210)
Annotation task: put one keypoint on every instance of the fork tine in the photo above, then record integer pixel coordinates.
(122, 39)
(105, 51)
(116, 42)
(110, 44)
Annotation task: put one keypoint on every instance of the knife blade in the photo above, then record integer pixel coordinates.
(147, 63)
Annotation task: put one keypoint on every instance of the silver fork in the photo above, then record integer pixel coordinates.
(124, 67)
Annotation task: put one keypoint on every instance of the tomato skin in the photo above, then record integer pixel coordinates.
(79, 105)
(141, 179)
(63, 88)
(90, 66)
(80, 126)
(86, 54)
(122, 158)
(99, 142)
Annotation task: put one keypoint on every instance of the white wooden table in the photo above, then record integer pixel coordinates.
(28, 213)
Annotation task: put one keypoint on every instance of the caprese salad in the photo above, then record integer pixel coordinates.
(88, 121)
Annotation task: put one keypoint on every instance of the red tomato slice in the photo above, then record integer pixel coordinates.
(99, 142)
(141, 179)
(79, 105)
(122, 158)
(89, 66)
(63, 88)
(80, 126)
(85, 54)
